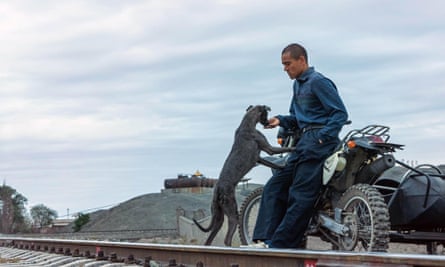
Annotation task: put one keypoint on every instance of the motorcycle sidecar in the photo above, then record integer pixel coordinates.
(416, 204)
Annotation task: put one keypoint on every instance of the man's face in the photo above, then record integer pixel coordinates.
(293, 67)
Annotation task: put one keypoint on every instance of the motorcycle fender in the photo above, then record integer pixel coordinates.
(333, 163)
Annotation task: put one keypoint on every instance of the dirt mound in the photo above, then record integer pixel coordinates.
(157, 211)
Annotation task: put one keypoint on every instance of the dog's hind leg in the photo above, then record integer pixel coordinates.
(232, 216)
(219, 220)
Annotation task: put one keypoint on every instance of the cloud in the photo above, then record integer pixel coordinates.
(114, 96)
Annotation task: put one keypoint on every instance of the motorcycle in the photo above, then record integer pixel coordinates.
(359, 208)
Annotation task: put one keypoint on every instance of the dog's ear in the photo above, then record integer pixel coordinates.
(249, 107)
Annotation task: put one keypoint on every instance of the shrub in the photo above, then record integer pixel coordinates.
(80, 221)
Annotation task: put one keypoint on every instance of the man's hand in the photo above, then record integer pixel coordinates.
(273, 122)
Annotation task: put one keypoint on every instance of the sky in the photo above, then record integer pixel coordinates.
(100, 101)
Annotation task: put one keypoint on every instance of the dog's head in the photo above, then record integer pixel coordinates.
(261, 112)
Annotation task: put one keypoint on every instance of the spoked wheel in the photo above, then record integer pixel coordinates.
(366, 214)
(248, 214)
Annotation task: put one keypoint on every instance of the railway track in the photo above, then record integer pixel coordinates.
(71, 253)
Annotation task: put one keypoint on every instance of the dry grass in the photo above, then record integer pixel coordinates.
(2, 260)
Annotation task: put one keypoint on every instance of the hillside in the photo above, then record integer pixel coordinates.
(157, 210)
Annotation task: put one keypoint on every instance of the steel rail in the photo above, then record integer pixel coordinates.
(210, 256)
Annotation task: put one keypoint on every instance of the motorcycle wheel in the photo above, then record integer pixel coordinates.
(248, 214)
(366, 214)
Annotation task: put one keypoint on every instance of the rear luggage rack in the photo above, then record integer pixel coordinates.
(370, 130)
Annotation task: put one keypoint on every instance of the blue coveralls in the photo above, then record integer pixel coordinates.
(289, 196)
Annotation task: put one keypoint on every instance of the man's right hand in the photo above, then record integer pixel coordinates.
(273, 122)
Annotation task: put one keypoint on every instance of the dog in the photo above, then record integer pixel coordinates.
(244, 155)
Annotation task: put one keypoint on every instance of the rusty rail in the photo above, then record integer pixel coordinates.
(203, 256)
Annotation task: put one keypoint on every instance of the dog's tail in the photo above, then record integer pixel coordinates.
(202, 228)
(217, 214)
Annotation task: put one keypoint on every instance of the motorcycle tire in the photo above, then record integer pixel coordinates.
(366, 214)
(248, 214)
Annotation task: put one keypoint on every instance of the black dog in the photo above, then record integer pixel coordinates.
(245, 154)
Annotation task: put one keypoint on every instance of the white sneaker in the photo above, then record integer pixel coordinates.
(259, 244)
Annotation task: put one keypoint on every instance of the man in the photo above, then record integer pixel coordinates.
(289, 196)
